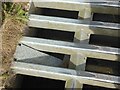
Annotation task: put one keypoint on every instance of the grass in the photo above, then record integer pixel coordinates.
(15, 11)
(14, 19)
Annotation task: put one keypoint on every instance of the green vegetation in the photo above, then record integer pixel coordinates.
(14, 11)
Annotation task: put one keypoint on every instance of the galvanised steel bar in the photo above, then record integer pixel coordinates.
(108, 53)
(84, 77)
(73, 25)
(97, 6)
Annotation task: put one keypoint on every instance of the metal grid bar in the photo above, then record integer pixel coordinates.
(107, 7)
(66, 74)
(72, 48)
(78, 52)
(72, 25)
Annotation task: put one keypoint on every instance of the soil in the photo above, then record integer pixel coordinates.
(11, 32)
